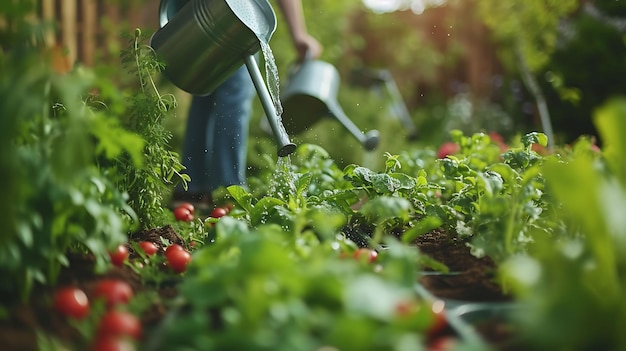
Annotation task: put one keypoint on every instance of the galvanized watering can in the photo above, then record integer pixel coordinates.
(202, 42)
(310, 94)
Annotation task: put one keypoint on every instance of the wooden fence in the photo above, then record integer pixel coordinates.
(87, 30)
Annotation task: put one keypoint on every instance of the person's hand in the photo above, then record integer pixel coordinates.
(307, 45)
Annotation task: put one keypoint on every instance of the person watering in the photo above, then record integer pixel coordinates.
(215, 142)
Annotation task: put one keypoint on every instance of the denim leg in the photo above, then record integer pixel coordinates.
(215, 145)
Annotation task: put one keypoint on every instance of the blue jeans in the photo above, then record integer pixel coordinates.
(215, 144)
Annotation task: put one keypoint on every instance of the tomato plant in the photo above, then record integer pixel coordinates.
(148, 247)
(182, 213)
(119, 255)
(113, 292)
(115, 323)
(178, 259)
(71, 302)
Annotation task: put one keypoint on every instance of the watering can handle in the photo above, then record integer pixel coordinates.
(308, 55)
(294, 67)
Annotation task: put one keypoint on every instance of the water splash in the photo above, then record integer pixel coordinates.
(283, 182)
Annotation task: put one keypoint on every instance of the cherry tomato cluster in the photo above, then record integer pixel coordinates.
(185, 212)
(362, 254)
(116, 328)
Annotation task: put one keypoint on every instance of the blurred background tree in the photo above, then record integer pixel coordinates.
(587, 67)
(474, 65)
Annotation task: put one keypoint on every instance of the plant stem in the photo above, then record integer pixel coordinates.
(532, 85)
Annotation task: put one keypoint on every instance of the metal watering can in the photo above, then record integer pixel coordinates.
(310, 94)
(202, 42)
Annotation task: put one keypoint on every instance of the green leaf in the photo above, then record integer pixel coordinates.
(404, 181)
(534, 138)
(492, 182)
(242, 196)
(264, 209)
(387, 207)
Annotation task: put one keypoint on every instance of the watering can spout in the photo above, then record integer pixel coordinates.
(285, 146)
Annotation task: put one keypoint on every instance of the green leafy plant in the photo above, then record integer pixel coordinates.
(257, 289)
(60, 200)
(572, 281)
(148, 183)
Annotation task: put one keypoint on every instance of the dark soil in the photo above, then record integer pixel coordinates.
(471, 279)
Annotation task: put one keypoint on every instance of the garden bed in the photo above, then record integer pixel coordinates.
(470, 281)
(19, 332)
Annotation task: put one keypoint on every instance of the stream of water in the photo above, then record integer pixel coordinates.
(283, 182)
(271, 74)
(252, 15)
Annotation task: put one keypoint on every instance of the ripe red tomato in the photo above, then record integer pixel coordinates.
(71, 302)
(178, 260)
(188, 206)
(119, 255)
(440, 322)
(361, 253)
(113, 343)
(448, 148)
(183, 214)
(148, 247)
(115, 323)
(113, 291)
(172, 248)
(219, 212)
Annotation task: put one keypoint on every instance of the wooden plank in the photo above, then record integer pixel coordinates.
(48, 16)
(89, 29)
(68, 28)
(111, 39)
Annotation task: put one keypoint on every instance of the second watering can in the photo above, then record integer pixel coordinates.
(202, 42)
(311, 94)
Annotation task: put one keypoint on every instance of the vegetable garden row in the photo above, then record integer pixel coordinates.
(308, 257)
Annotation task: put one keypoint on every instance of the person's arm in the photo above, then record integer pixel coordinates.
(303, 42)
